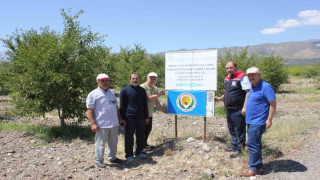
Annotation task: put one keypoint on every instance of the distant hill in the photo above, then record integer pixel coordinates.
(295, 52)
(290, 50)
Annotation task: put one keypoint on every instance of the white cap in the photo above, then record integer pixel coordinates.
(253, 70)
(152, 74)
(102, 76)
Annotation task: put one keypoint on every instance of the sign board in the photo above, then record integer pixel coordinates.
(191, 70)
(187, 102)
(197, 103)
(210, 104)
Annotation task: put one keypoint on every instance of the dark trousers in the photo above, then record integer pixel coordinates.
(134, 125)
(255, 146)
(237, 128)
(147, 130)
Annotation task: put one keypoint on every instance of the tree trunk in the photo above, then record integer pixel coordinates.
(61, 116)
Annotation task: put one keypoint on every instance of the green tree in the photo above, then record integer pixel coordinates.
(273, 70)
(4, 89)
(241, 57)
(54, 71)
(272, 67)
(128, 61)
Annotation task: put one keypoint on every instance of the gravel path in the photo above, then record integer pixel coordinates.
(301, 164)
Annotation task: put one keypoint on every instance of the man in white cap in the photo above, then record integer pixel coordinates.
(104, 116)
(152, 95)
(259, 108)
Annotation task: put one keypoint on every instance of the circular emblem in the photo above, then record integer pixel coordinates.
(186, 102)
(234, 83)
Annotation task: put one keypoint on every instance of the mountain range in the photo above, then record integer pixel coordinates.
(294, 52)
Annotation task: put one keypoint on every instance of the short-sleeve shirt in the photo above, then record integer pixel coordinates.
(105, 107)
(150, 91)
(245, 83)
(257, 107)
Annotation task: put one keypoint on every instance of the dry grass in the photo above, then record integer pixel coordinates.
(296, 120)
(298, 111)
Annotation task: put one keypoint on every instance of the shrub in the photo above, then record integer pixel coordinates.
(272, 67)
(273, 71)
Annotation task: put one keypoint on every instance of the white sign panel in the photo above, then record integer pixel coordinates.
(191, 70)
(210, 104)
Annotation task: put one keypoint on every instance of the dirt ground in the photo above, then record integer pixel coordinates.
(23, 156)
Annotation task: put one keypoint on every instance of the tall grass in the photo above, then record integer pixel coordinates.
(50, 132)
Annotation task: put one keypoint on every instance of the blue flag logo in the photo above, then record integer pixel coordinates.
(187, 102)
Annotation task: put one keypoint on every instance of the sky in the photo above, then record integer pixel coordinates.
(166, 25)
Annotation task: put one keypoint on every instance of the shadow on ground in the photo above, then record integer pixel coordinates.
(160, 149)
(285, 165)
(136, 164)
(271, 152)
(286, 92)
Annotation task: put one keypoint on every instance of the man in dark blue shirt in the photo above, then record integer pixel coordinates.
(134, 110)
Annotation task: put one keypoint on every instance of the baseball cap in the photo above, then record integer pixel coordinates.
(102, 76)
(152, 74)
(253, 70)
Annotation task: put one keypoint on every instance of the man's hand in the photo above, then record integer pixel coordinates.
(217, 98)
(161, 93)
(243, 111)
(268, 124)
(146, 121)
(94, 128)
(122, 122)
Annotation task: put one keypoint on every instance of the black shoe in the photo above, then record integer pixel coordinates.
(148, 147)
(117, 161)
(235, 154)
(229, 149)
(101, 165)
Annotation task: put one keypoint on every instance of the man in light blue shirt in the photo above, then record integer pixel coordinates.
(104, 116)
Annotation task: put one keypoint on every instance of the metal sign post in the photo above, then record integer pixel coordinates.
(204, 129)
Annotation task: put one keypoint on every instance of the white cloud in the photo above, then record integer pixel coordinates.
(307, 17)
(272, 30)
(310, 17)
(288, 23)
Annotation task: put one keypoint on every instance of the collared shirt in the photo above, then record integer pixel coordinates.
(257, 107)
(150, 91)
(105, 107)
(245, 83)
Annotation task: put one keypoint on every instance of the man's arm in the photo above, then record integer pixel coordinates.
(243, 111)
(90, 115)
(155, 96)
(123, 104)
(145, 105)
(121, 122)
(160, 107)
(272, 111)
(218, 98)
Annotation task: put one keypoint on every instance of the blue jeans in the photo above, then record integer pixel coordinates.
(237, 128)
(255, 146)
